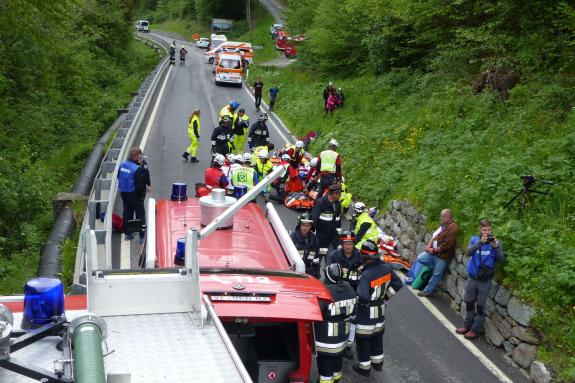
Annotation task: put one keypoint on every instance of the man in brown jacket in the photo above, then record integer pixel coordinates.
(439, 251)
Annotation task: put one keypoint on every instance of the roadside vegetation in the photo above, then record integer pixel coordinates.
(65, 67)
(413, 128)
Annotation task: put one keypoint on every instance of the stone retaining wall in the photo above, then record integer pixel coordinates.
(507, 324)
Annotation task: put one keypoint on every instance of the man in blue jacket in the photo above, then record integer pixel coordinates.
(484, 250)
(133, 181)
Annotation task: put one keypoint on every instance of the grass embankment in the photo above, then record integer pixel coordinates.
(184, 27)
(426, 138)
(57, 171)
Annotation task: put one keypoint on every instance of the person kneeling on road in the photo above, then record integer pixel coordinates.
(306, 243)
(484, 250)
(214, 177)
(378, 282)
(331, 334)
(439, 251)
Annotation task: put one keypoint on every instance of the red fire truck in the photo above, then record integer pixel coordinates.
(251, 272)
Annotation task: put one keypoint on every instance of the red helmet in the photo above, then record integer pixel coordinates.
(347, 236)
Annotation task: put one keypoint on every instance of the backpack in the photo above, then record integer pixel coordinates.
(422, 278)
(117, 223)
(298, 201)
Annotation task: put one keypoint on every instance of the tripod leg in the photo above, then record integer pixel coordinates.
(512, 199)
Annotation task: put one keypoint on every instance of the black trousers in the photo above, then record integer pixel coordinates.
(328, 366)
(369, 347)
(133, 203)
(258, 100)
(326, 181)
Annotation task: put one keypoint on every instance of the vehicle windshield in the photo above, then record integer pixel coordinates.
(144, 23)
(230, 64)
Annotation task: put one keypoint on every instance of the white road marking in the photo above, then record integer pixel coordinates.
(500, 375)
(278, 129)
(154, 111)
(125, 254)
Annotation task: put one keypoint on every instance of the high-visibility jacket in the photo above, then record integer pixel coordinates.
(263, 169)
(331, 334)
(241, 126)
(296, 155)
(244, 176)
(328, 160)
(370, 234)
(225, 111)
(194, 123)
(345, 198)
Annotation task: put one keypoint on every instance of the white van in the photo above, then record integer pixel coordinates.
(245, 49)
(142, 25)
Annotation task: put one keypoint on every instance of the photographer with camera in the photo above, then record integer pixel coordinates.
(484, 250)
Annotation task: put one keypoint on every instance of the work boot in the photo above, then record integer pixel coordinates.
(424, 294)
(348, 353)
(377, 366)
(471, 335)
(360, 371)
(185, 155)
(462, 330)
(194, 159)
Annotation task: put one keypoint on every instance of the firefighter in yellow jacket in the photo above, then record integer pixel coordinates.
(194, 127)
(365, 227)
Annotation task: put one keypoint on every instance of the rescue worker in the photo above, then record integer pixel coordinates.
(222, 137)
(282, 185)
(269, 147)
(365, 227)
(296, 153)
(214, 177)
(329, 165)
(263, 167)
(132, 185)
(230, 111)
(351, 262)
(331, 334)
(345, 199)
(326, 214)
(245, 175)
(183, 53)
(378, 283)
(194, 127)
(306, 243)
(259, 133)
(240, 130)
(312, 173)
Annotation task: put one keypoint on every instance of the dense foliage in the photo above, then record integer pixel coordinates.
(201, 11)
(65, 67)
(412, 127)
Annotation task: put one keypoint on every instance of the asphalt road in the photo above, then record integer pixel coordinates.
(418, 347)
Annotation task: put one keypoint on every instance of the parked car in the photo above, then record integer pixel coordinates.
(202, 43)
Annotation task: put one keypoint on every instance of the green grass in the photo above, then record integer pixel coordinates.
(260, 36)
(428, 139)
(184, 27)
(57, 172)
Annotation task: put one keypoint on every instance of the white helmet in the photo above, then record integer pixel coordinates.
(359, 207)
(299, 144)
(313, 162)
(263, 117)
(230, 157)
(263, 154)
(286, 157)
(333, 142)
(247, 158)
(220, 159)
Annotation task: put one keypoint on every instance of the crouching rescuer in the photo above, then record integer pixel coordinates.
(378, 282)
(331, 334)
(484, 250)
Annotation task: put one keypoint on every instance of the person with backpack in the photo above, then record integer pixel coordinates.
(331, 334)
(378, 283)
(484, 251)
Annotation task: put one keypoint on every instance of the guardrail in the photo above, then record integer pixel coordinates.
(102, 194)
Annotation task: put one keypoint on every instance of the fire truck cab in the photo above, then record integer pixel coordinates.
(252, 273)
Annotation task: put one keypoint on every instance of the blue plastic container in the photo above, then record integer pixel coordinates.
(240, 191)
(180, 252)
(43, 301)
(179, 191)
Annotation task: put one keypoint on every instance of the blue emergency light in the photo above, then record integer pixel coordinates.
(179, 192)
(180, 252)
(43, 301)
